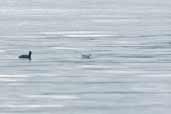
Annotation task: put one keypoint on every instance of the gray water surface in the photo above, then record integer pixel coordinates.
(130, 68)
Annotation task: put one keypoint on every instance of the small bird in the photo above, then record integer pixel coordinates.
(26, 56)
(86, 56)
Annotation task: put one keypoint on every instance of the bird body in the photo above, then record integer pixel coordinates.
(26, 56)
(86, 56)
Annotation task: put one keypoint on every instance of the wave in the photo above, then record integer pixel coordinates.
(74, 32)
(53, 96)
(89, 35)
(1, 51)
(31, 106)
(13, 76)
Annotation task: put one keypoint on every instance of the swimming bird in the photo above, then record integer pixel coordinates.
(86, 56)
(26, 56)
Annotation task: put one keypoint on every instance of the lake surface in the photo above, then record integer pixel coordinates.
(130, 68)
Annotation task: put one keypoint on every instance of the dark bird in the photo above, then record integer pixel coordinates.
(86, 56)
(26, 56)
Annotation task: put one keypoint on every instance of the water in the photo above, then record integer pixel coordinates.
(130, 68)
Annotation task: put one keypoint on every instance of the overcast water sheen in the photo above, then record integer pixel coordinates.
(129, 71)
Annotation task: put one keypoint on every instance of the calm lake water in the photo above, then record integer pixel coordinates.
(130, 68)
